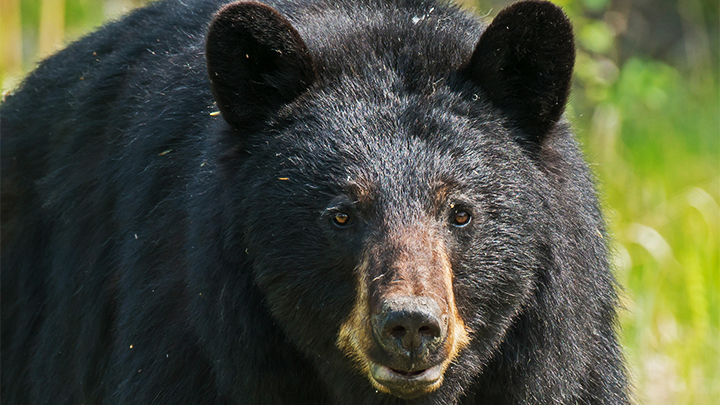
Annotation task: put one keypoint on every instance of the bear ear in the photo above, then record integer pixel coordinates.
(523, 62)
(256, 62)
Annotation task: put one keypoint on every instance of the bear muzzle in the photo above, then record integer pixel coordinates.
(409, 329)
(409, 334)
(405, 329)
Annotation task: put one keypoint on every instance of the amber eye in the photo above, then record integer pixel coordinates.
(341, 219)
(461, 218)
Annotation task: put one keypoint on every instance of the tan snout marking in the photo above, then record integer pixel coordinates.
(355, 335)
(458, 337)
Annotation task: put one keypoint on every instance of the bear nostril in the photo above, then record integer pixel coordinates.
(398, 332)
(429, 331)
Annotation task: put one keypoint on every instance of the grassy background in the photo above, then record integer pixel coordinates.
(650, 125)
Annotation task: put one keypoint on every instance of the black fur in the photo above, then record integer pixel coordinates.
(524, 62)
(156, 253)
(256, 61)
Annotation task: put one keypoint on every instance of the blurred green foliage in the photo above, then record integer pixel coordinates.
(646, 106)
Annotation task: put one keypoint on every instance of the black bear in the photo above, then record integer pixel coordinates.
(307, 202)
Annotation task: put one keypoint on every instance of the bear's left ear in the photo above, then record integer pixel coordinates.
(256, 61)
(523, 62)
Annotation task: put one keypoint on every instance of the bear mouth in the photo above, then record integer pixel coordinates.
(407, 384)
(408, 373)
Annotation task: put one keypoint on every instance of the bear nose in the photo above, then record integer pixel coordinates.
(410, 326)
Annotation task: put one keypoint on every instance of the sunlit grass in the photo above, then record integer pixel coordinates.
(655, 140)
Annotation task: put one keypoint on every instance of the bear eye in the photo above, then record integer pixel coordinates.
(341, 219)
(461, 218)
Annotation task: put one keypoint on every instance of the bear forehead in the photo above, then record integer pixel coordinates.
(390, 139)
(384, 130)
(395, 168)
(424, 39)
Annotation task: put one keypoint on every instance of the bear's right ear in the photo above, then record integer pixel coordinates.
(256, 61)
(524, 62)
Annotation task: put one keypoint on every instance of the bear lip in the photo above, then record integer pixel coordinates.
(407, 384)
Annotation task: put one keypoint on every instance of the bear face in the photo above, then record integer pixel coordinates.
(417, 196)
(390, 214)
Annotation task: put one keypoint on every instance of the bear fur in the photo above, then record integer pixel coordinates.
(208, 203)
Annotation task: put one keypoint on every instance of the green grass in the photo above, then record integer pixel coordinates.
(652, 135)
(655, 141)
